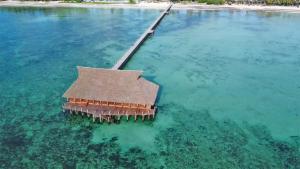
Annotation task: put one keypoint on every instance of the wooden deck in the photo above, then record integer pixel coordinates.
(109, 113)
(124, 59)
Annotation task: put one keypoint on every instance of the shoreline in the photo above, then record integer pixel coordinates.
(159, 6)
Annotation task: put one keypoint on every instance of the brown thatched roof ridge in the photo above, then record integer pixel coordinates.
(123, 86)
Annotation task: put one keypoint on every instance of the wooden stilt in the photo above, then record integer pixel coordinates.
(109, 116)
(112, 113)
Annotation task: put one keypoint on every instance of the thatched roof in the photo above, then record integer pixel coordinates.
(122, 86)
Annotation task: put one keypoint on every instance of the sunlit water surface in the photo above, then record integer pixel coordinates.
(229, 89)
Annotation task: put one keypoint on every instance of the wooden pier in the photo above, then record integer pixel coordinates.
(110, 94)
(123, 60)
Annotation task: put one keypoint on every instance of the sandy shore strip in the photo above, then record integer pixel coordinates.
(144, 5)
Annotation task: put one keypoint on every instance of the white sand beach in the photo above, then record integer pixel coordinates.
(145, 5)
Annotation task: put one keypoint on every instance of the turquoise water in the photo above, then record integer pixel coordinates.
(229, 98)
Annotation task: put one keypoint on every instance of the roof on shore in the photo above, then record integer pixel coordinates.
(122, 86)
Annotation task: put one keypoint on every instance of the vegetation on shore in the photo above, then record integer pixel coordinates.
(282, 2)
(261, 2)
(96, 2)
(209, 2)
(87, 2)
(215, 2)
(132, 1)
(71, 1)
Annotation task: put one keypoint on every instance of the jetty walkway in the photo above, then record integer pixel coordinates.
(110, 94)
(138, 43)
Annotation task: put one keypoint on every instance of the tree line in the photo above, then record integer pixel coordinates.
(262, 2)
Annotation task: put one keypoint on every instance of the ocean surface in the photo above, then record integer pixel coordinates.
(229, 89)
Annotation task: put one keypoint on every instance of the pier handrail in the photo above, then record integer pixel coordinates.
(124, 59)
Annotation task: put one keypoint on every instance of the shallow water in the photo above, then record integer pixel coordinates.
(229, 96)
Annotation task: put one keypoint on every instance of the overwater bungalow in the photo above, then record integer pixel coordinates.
(108, 94)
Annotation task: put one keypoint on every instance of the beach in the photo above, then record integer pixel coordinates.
(146, 5)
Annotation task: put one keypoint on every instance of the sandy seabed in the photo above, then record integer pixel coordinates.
(234, 105)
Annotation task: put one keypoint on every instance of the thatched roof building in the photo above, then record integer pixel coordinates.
(122, 86)
(108, 93)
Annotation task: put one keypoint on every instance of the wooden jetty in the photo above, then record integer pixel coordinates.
(110, 94)
(123, 60)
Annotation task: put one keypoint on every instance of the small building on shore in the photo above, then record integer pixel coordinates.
(108, 94)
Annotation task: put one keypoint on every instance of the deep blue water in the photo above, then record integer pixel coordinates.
(229, 89)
